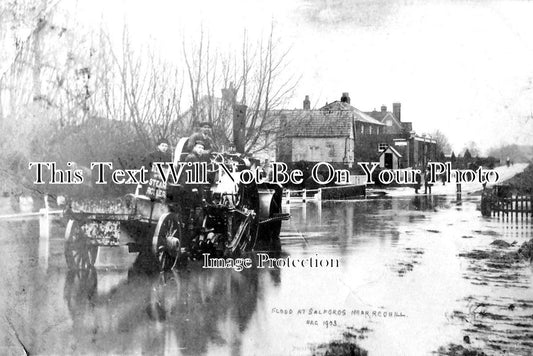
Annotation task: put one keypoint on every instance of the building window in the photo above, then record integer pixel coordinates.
(314, 154)
(370, 129)
(362, 129)
(388, 122)
(382, 147)
(331, 149)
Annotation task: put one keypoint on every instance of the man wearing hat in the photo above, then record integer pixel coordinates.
(161, 154)
(156, 188)
(201, 143)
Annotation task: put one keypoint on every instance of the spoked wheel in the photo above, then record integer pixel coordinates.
(243, 228)
(241, 237)
(269, 230)
(166, 244)
(80, 254)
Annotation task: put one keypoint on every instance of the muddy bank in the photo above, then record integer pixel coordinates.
(499, 257)
(459, 350)
(345, 346)
(499, 323)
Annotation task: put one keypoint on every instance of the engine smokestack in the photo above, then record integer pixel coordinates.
(239, 125)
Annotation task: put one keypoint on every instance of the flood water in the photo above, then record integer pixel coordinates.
(406, 284)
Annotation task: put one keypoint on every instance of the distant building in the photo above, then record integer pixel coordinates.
(342, 134)
(328, 134)
(392, 120)
(415, 150)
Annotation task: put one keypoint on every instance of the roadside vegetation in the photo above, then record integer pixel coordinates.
(522, 183)
(70, 93)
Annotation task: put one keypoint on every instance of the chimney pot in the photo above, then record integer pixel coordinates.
(383, 108)
(345, 98)
(307, 103)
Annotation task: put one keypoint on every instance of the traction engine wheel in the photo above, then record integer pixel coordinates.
(268, 234)
(243, 230)
(80, 254)
(167, 240)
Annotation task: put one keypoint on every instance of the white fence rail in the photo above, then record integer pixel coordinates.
(301, 196)
(305, 195)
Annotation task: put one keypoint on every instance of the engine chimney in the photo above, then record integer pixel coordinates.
(397, 111)
(307, 103)
(383, 109)
(239, 122)
(345, 98)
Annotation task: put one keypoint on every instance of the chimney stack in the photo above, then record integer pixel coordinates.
(345, 98)
(307, 103)
(383, 109)
(397, 111)
(239, 126)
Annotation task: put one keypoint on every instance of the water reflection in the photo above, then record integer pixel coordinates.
(193, 311)
(340, 223)
(402, 255)
(421, 241)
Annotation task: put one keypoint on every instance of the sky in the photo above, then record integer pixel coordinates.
(462, 67)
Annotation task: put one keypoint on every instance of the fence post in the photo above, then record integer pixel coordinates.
(522, 207)
(507, 208)
(516, 206)
(44, 237)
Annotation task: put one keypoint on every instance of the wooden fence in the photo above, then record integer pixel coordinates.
(518, 206)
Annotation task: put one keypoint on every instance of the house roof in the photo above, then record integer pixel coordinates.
(390, 116)
(315, 123)
(357, 114)
(378, 115)
(332, 120)
(390, 148)
(382, 115)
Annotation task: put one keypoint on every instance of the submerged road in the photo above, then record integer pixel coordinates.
(438, 188)
(405, 285)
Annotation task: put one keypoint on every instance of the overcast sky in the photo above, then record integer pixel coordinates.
(464, 67)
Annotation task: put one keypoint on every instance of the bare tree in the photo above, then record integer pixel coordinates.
(149, 91)
(443, 144)
(76, 94)
(472, 148)
(256, 77)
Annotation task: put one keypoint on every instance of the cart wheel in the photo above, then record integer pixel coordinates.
(79, 253)
(166, 244)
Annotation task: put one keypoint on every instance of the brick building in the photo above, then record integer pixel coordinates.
(327, 134)
(415, 150)
(342, 134)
